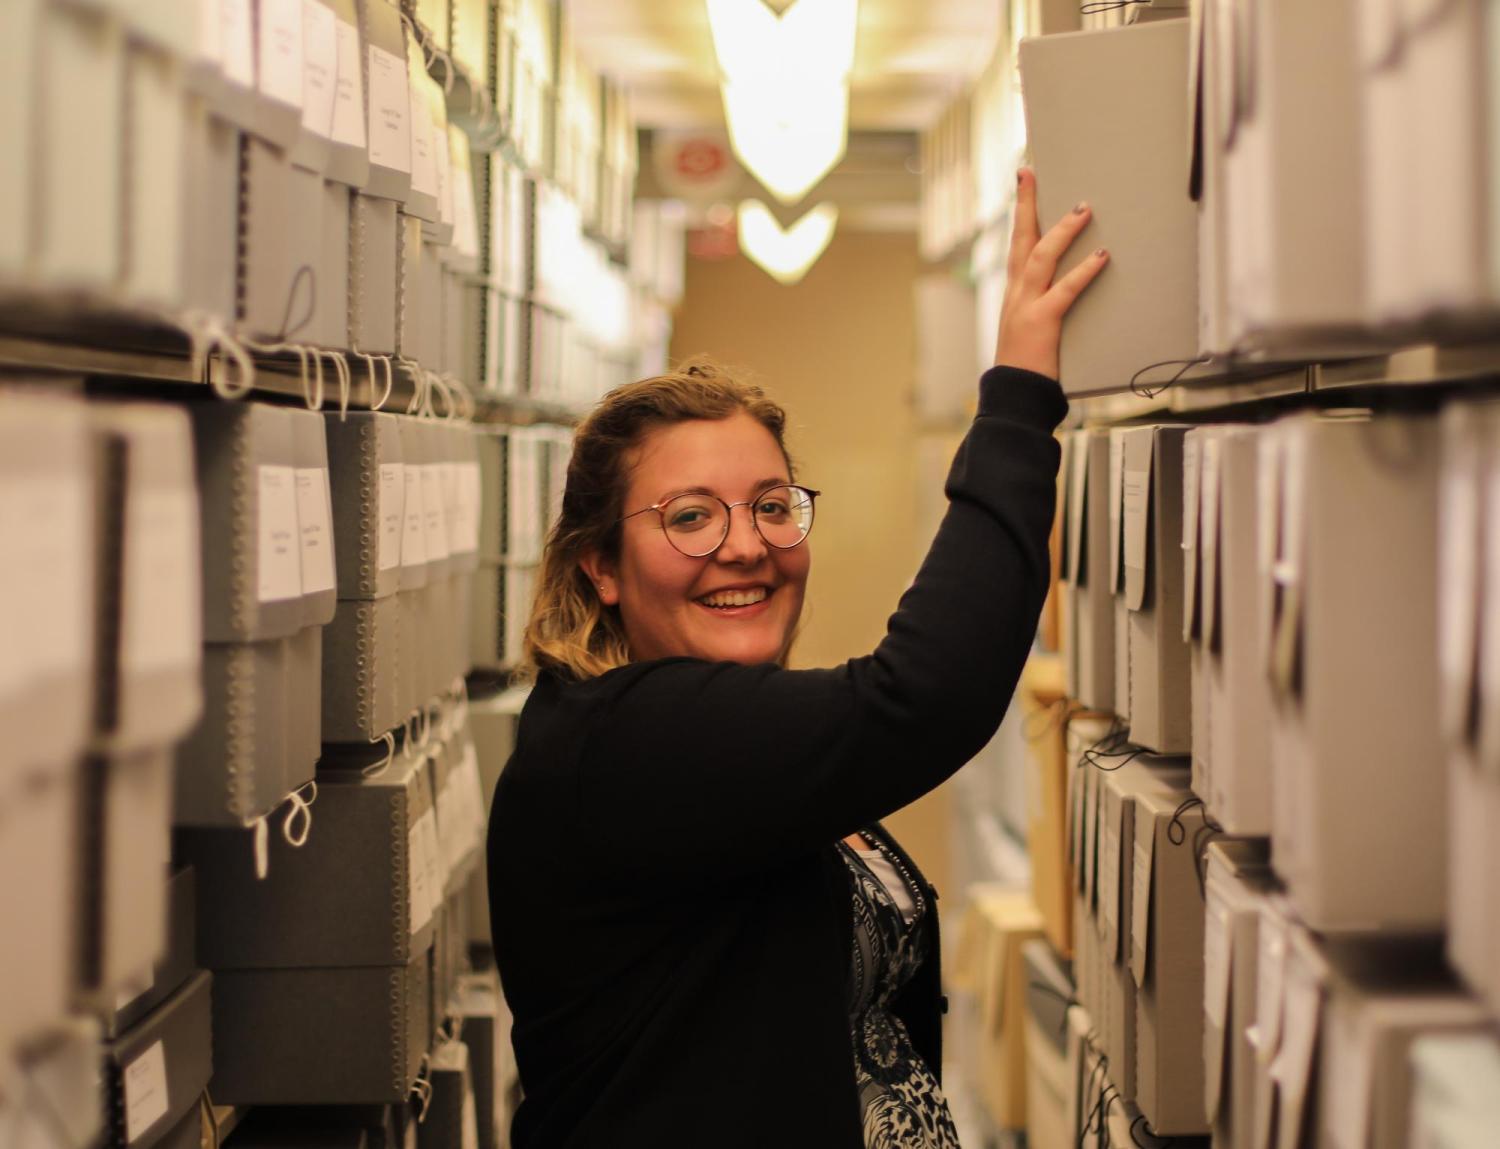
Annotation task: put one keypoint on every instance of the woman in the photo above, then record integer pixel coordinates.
(678, 840)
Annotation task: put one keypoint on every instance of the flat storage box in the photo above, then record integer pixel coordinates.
(251, 556)
(267, 269)
(416, 453)
(1152, 588)
(304, 693)
(150, 635)
(438, 450)
(39, 838)
(1355, 702)
(159, 1068)
(1088, 605)
(301, 320)
(1166, 962)
(362, 694)
(1238, 886)
(314, 517)
(324, 1036)
(125, 845)
(373, 240)
(1221, 532)
(1107, 121)
(369, 493)
(388, 99)
(48, 613)
(1294, 181)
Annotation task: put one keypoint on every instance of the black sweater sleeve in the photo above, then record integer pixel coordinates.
(699, 770)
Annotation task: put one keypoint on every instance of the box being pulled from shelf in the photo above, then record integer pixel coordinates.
(1351, 628)
(1107, 122)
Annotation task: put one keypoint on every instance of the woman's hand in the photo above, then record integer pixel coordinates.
(1031, 317)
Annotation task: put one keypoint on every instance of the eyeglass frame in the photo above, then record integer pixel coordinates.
(728, 517)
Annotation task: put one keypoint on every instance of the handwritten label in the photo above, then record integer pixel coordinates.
(162, 626)
(280, 51)
(390, 111)
(424, 177)
(435, 527)
(1137, 493)
(315, 531)
(414, 530)
(349, 94)
(280, 566)
(146, 1100)
(237, 31)
(392, 514)
(320, 63)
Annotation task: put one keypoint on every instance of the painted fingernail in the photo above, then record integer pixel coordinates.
(1081, 208)
(1101, 253)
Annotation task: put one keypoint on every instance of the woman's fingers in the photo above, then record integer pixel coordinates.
(1066, 290)
(1042, 265)
(1024, 231)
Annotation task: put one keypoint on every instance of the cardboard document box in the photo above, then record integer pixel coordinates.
(430, 275)
(325, 1036)
(1166, 961)
(373, 249)
(211, 212)
(304, 703)
(320, 71)
(348, 151)
(369, 493)
(39, 838)
(1237, 883)
(157, 117)
(429, 138)
(435, 499)
(388, 100)
(361, 692)
(1120, 611)
(1090, 603)
(150, 633)
(303, 240)
(1211, 97)
(247, 460)
(314, 517)
(178, 962)
(1231, 691)
(462, 485)
(409, 300)
(1049, 1122)
(65, 1102)
(411, 651)
(49, 502)
(1152, 584)
(158, 1069)
(80, 138)
(367, 866)
(1294, 180)
(1349, 695)
(273, 294)
(279, 71)
(1456, 1095)
(122, 877)
(232, 768)
(226, 64)
(1108, 125)
(416, 528)
(332, 313)
(1374, 1016)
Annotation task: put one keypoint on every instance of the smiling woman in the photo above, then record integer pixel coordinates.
(694, 904)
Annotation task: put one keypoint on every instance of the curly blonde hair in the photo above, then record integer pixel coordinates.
(570, 631)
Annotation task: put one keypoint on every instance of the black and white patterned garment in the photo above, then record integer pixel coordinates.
(902, 1104)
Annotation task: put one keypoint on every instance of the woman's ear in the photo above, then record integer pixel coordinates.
(601, 573)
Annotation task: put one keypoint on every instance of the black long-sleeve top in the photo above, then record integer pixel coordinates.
(671, 917)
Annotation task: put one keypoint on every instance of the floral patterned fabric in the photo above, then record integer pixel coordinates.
(902, 1104)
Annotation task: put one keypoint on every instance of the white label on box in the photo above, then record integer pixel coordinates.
(1137, 499)
(435, 525)
(423, 155)
(349, 96)
(209, 46)
(453, 511)
(320, 63)
(392, 514)
(280, 567)
(390, 109)
(238, 31)
(146, 1100)
(413, 532)
(1217, 926)
(162, 626)
(281, 50)
(313, 526)
(418, 876)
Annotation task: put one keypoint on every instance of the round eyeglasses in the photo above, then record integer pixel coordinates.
(697, 523)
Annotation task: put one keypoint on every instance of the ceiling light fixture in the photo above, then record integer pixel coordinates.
(786, 87)
(785, 255)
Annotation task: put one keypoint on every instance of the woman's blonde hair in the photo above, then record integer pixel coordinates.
(571, 632)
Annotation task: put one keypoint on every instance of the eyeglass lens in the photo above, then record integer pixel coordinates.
(696, 524)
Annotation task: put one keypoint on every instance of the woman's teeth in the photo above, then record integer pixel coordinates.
(734, 597)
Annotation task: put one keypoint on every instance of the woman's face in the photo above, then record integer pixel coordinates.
(664, 595)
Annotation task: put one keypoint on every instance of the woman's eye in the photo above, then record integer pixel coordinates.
(689, 519)
(771, 507)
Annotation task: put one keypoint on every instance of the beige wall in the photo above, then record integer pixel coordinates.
(838, 350)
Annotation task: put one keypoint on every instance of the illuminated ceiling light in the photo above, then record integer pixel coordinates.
(785, 255)
(786, 87)
(788, 139)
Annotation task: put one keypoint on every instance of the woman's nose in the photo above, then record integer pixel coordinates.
(743, 543)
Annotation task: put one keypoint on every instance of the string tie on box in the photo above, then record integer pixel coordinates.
(422, 1088)
(409, 736)
(207, 334)
(1095, 7)
(1045, 719)
(418, 403)
(1176, 828)
(1156, 1142)
(377, 768)
(1114, 748)
(300, 807)
(1152, 390)
(346, 379)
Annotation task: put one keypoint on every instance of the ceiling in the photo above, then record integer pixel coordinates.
(911, 57)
